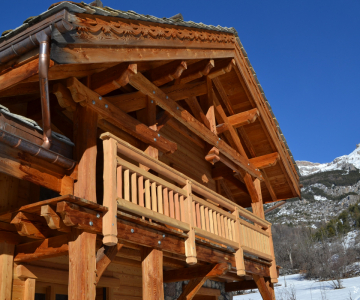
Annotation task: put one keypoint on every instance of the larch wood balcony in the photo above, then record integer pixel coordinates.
(172, 199)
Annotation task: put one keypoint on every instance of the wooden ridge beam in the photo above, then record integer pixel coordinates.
(197, 70)
(184, 117)
(194, 285)
(166, 73)
(116, 116)
(113, 78)
(104, 256)
(47, 248)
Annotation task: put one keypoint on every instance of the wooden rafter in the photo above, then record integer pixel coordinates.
(195, 107)
(166, 73)
(113, 78)
(239, 120)
(184, 117)
(197, 70)
(116, 116)
(228, 174)
(222, 67)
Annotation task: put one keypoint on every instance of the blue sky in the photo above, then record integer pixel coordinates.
(305, 54)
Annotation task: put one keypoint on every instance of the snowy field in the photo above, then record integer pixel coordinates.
(311, 290)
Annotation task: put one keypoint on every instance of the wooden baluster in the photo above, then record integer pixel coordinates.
(215, 223)
(119, 182)
(171, 204)
(194, 214)
(166, 202)
(153, 197)
(211, 220)
(219, 224)
(182, 209)
(207, 219)
(147, 194)
(141, 190)
(223, 226)
(160, 199)
(226, 228)
(198, 218)
(230, 229)
(190, 245)
(177, 206)
(202, 214)
(127, 185)
(110, 192)
(133, 188)
(233, 230)
(239, 254)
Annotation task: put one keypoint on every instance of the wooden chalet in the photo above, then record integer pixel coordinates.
(130, 149)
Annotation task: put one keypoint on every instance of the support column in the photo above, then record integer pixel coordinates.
(258, 209)
(82, 260)
(152, 274)
(6, 270)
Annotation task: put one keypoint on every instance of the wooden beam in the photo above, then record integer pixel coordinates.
(116, 116)
(240, 286)
(6, 269)
(47, 248)
(187, 273)
(244, 118)
(52, 219)
(166, 73)
(195, 284)
(104, 256)
(94, 55)
(135, 101)
(113, 78)
(152, 274)
(263, 289)
(265, 161)
(222, 67)
(195, 107)
(184, 117)
(29, 289)
(197, 70)
(19, 74)
(228, 174)
(31, 225)
(226, 189)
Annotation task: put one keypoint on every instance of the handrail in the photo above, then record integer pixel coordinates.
(136, 154)
(142, 193)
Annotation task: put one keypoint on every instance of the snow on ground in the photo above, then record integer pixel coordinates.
(311, 289)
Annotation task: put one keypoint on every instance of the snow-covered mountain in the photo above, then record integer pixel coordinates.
(345, 162)
(327, 190)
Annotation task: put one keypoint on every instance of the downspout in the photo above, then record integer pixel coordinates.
(41, 39)
(44, 60)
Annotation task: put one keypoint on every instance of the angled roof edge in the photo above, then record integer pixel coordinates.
(107, 11)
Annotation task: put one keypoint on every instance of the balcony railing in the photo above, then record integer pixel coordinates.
(173, 199)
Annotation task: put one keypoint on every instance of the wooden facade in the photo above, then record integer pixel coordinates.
(156, 137)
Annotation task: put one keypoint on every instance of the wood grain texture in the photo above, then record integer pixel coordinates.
(6, 270)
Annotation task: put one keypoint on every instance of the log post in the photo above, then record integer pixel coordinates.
(190, 245)
(152, 274)
(258, 209)
(110, 194)
(6, 270)
(82, 261)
